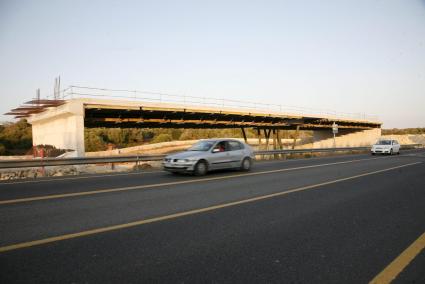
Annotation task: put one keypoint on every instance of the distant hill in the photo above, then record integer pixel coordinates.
(397, 131)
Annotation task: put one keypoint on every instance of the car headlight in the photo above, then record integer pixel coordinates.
(188, 160)
(183, 160)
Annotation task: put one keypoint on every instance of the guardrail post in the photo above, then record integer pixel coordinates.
(43, 170)
(137, 163)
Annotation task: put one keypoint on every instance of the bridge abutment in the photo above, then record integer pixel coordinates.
(62, 127)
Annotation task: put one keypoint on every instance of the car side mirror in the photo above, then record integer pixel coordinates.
(216, 150)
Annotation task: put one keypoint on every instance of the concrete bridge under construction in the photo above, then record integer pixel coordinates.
(61, 122)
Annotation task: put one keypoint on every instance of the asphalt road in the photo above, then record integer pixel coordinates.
(340, 219)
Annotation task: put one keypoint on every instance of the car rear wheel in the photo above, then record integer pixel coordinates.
(246, 164)
(201, 168)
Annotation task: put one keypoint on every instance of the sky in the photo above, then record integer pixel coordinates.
(360, 56)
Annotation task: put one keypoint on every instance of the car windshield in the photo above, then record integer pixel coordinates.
(202, 146)
(384, 142)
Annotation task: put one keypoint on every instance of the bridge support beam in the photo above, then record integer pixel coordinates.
(296, 135)
(267, 136)
(259, 138)
(345, 138)
(244, 135)
(62, 127)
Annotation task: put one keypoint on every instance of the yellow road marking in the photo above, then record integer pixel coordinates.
(394, 268)
(65, 195)
(186, 213)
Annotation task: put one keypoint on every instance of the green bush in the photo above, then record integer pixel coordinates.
(94, 141)
(162, 138)
(2, 149)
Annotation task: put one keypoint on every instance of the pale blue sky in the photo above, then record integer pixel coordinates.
(350, 56)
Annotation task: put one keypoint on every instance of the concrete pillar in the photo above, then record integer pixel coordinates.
(296, 135)
(62, 127)
(259, 138)
(345, 138)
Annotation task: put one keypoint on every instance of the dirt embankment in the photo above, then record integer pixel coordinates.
(407, 138)
(175, 146)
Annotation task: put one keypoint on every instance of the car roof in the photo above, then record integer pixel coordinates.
(220, 139)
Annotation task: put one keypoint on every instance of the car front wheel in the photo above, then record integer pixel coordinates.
(201, 168)
(246, 164)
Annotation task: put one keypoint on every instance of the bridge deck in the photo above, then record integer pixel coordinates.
(110, 113)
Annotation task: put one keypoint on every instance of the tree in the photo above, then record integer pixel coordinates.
(16, 137)
(2, 149)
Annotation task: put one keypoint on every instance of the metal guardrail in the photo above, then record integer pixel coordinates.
(326, 150)
(46, 162)
(312, 150)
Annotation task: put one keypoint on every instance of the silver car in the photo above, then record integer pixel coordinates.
(211, 154)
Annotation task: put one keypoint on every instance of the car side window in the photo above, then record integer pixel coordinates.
(222, 146)
(235, 145)
(396, 142)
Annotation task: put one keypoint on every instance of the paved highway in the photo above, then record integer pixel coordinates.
(343, 219)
